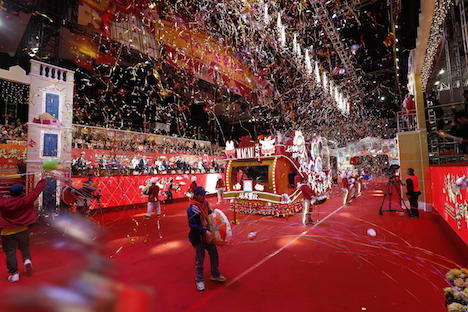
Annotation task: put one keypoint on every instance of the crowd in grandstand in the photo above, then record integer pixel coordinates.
(14, 130)
(105, 165)
(169, 145)
(150, 158)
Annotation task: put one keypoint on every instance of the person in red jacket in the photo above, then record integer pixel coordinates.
(17, 213)
(308, 194)
(413, 192)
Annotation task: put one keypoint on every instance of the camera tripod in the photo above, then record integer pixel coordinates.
(94, 211)
(393, 183)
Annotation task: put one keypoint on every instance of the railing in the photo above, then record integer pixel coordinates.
(51, 71)
(440, 117)
(407, 121)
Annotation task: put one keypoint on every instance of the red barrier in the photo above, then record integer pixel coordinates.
(126, 190)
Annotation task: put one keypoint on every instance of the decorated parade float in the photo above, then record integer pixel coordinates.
(262, 177)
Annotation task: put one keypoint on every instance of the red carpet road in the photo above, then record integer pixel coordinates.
(353, 259)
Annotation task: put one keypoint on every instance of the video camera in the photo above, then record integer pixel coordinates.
(390, 171)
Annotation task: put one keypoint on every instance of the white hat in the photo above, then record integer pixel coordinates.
(193, 179)
(154, 180)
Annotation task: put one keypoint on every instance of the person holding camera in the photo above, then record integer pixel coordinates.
(201, 238)
(413, 192)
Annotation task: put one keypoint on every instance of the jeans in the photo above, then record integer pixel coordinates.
(200, 258)
(10, 243)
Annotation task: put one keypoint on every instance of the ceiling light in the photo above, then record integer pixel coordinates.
(437, 83)
(441, 71)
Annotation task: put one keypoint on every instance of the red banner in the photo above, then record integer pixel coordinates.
(10, 154)
(451, 201)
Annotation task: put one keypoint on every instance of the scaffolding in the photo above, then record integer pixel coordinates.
(447, 97)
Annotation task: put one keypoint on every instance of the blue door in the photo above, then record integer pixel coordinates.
(49, 202)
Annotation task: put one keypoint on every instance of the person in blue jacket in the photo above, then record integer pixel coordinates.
(201, 238)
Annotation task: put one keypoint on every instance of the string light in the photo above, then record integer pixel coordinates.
(438, 18)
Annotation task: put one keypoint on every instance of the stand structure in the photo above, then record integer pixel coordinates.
(393, 183)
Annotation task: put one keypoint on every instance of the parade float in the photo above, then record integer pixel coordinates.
(262, 177)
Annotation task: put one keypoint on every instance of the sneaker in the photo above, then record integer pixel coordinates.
(219, 278)
(14, 277)
(312, 222)
(28, 267)
(200, 286)
(158, 215)
(146, 218)
(348, 204)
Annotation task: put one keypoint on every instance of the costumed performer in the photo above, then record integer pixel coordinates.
(220, 189)
(345, 186)
(153, 201)
(308, 194)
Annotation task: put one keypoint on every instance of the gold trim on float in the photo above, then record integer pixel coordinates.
(253, 196)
